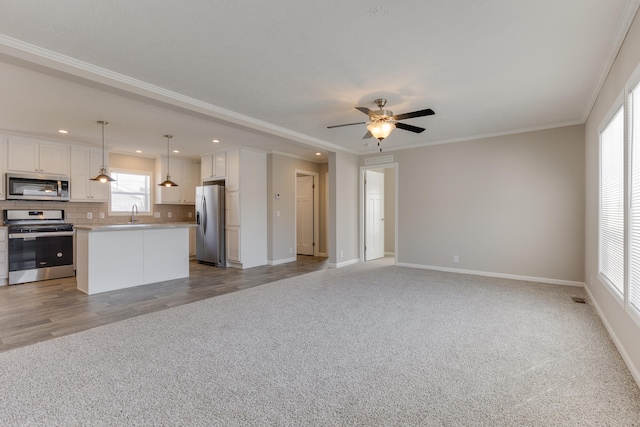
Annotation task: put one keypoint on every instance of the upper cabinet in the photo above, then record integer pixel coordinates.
(25, 155)
(183, 172)
(85, 164)
(213, 166)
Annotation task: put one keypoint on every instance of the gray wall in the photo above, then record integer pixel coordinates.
(508, 205)
(624, 330)
(281, 236)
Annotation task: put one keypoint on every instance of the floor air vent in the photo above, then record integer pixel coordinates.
(578, 300)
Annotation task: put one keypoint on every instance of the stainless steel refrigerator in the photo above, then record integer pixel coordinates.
(210, 236)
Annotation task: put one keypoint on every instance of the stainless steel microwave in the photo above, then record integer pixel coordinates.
(37, 187)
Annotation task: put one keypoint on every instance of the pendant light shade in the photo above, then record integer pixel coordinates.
(167, 182)
(102, 176)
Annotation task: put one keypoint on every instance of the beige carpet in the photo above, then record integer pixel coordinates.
(371, 344)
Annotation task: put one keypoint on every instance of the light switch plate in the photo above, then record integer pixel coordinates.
(169, 215)
(156, 214)
(101, 215)
(89, 215)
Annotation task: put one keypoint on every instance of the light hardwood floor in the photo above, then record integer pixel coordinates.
(34, 312)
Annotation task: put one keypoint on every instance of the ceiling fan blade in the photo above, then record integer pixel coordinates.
(367, 135)
(421, 113)
(365, 110)
(410, 128)
(348, 124)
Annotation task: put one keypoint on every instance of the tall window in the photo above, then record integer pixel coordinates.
(634, 211)
(612, 202)
(128, 189)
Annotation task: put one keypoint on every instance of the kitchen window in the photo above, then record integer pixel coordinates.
(128, 189)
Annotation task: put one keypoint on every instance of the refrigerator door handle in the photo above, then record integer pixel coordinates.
(204, 215)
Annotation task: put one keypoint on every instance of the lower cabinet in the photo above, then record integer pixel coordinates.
(4, 262)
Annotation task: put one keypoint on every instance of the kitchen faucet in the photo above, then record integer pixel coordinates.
(133, 215)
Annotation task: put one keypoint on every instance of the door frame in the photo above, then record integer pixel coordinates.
(316, 209)
(362, 204)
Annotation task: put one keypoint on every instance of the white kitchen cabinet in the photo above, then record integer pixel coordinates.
(246, 203)
(233, 170)
(213, 166)
(4, 261)
(183, 172)
(85, 164)
(26, 155)
(233, 246)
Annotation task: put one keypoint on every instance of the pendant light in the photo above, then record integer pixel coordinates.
(168, 182)
(102, 176)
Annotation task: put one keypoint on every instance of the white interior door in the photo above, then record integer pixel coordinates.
(374, 215)
(304, 215)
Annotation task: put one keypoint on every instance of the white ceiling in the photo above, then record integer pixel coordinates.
(274, 75)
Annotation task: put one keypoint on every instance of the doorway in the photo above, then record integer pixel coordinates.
(378, 210)
(307, 217)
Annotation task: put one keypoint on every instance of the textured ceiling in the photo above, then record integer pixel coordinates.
(281, 72)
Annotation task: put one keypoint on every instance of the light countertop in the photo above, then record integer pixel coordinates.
(129, 226)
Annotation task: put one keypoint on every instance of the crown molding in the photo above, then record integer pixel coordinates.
(70, 66)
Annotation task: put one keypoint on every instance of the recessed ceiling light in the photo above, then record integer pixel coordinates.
(63, 131)
(176, 151)
(215, 141)
(138, 151)
(318, 154)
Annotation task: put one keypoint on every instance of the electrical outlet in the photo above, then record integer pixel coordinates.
(169, 215)
(101, 215)
(455, 258)
(89, 215)
(341, 254)
(290, 250)
(156, 214)
(278, 214)
(190, 214)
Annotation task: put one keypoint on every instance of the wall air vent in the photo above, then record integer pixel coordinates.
(579, 300)
(378, 160)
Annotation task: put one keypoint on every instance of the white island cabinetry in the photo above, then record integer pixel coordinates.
(114, 257)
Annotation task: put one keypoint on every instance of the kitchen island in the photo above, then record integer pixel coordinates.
(110, 257)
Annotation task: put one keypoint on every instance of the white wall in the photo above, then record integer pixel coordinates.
(624, 331)
(507, 206)
(343, 209)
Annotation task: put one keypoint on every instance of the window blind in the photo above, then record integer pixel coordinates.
(612, 202)
(634, 212)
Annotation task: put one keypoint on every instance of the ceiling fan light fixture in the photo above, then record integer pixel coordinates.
(103, 176)
(381, 129)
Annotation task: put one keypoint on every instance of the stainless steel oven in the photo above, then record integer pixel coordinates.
(40, 245)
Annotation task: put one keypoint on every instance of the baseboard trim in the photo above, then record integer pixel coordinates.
(323, 255)
(498, 275)
(635, 372)
(281, 261)
(343, 264)
(389, 254)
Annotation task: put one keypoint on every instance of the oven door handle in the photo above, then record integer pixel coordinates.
(38, 235)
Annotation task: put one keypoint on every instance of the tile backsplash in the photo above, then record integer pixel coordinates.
(77, 212)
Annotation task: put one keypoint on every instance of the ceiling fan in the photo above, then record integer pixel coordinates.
(382, 122)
